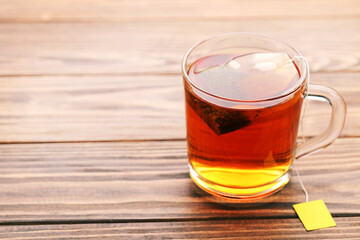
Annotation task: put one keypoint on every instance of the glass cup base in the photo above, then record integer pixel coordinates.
(239, 194)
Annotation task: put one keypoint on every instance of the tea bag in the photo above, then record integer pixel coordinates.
(246, 77)
(220, 120)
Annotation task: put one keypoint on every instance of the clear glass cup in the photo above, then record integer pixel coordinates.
(244, 148)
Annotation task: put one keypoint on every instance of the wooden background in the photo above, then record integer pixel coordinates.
(92, 125)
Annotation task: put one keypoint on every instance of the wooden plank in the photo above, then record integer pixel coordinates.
(59, 108)
(229, 229)
(149, 180)
(331, 45)
(97, 10)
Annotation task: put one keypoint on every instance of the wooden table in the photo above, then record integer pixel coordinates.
(92, 125)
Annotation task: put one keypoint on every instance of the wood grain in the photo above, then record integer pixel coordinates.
(331, 45)
(221, 229)
(100, 108)
(149, 181)
(92, 119)
(162, 10)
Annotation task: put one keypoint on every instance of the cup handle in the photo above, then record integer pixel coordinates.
(337, 121)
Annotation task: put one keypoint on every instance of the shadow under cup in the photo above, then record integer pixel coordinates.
(244, 149)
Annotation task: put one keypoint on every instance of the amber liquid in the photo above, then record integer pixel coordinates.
(236, 148)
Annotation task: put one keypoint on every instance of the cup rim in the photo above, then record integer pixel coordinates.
(294, 89)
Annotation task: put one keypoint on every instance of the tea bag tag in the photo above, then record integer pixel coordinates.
(314, 215)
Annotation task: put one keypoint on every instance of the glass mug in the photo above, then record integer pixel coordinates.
(244, 94)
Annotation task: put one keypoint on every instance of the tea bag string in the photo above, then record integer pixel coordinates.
(301, 183)
(301, 126)
(234, 58)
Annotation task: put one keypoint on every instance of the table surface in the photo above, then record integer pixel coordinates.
(92, 125)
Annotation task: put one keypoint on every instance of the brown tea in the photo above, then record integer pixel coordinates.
(242, 145)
